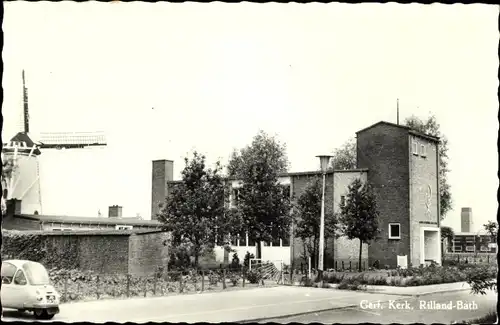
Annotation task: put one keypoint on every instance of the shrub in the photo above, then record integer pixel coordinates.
(351, 284)
(234, 278)
(246, 260)
(235, 263)
(376, 265)
(254, 276)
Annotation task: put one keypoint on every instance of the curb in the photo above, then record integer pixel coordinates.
(350, 306)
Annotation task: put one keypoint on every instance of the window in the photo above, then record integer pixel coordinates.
(485, 248)
(36, 273)
(8, 271)
(394, 231)
(415, 147)
(20, 279)
(275, 242)
(123, 227)
(285, 190)
(469, 248)
(342, 200)
(235, 197)
(423, 150)
(457, 248)
(243, 240)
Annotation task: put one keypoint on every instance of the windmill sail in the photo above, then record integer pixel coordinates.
(25, 107)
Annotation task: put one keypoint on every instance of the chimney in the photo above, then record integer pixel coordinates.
(115, 211)
(466, 220)
(13, 207)
(162, 173)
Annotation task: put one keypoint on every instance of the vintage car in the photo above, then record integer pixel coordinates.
(26, 287)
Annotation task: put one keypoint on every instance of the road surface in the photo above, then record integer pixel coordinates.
(385, 313)
(259, 303)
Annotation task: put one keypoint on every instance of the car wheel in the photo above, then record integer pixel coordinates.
(42, 314)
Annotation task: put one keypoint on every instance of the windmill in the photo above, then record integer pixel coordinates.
(21, 181)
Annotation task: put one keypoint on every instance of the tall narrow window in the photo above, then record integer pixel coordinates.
(423, 150)
(342, 200)
(415, 147)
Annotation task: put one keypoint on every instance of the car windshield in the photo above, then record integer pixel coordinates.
(36, 273)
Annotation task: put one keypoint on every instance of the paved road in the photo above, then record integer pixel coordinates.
(385, 314)
(230, 306)
(269, 303)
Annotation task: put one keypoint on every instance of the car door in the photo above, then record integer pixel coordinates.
(7, 292)
(20, 289)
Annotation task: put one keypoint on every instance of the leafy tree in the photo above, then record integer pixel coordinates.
(492, 228)
(195, 211)
(345, 157)
(263, 209)
(359, 215)
(307, 212)
(447, 234)
(432, 127)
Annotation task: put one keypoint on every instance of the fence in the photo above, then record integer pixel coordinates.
(459, 258)
(338, 266)
(77, 285)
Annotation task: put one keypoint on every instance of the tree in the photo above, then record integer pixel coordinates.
(492, 228)
(447, 234)
(306, 215)
(195, 211)
(263, 207)
(359, 215)
(432, 127)
(345, 157)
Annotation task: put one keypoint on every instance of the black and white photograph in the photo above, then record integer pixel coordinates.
(249, 162)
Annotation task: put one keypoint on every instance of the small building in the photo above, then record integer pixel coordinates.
(15, 220)
(468, 241)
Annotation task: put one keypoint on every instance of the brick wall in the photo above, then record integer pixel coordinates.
(103, 253)
(424, 193)
(383, 149)
(341, 249)
(11, 222)
(147, 252)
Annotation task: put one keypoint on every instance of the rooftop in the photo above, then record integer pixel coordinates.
(92, 220)
(306, 173)
(410, 130)
(125, 232)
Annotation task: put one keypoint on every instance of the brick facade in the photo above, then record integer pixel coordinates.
(163, 172)
(402, 183)
(424, 192)
(110, 252)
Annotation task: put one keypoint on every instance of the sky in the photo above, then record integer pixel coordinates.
(166, 79)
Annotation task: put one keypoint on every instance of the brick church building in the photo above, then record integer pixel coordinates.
(401, 165)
